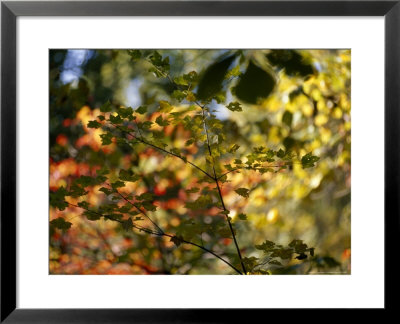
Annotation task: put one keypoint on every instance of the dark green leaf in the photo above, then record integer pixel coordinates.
(267, 246)
(57, 198)
(106, 139)
(243, 192)
(91, 215)
(255, 84)
(287, 118)
(233, 148)
(93, 124)
(106, 107)
(177, 240)
(309, 160)
(162, 122)
(234, 106)
(291, 61)
(118, 184)
(141, 110)
(127, 224)
(211, 80)
(165, 107)
(61, 224)
(135, 54)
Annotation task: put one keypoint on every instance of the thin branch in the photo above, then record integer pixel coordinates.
(220, 193)
(149, 231)
(141, 140)
(140, 211)
(266, 166)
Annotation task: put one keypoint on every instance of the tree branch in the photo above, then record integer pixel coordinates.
(141, 140)
(149, 231)
(220, 193)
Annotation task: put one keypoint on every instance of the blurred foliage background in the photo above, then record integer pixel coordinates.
(307, 111)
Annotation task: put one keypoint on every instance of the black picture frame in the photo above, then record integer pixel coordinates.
(10, 10)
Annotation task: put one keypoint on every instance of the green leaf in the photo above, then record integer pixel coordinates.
(192, 190)
(83, 204)
(291, 61)
(115, 119)
(243, 192)
(76, 191)
(85, 181)
(179, 95)
(189, 142)
(242, 216)
(118, 184)
(103, 171)
(106, 139)
(141, 110)
(177, 240)
(234, 106)
(234, 72)
(203, 202)
(281, 153)
(148, 206)
(125, 112)
(145, 125)
(159, 62)
(135, 54)
(309, 160)
(255, 84)
(224, 232)
(191, 77)
(267, 246)
(146, 196)
(57, 198)
(61, 224)
(165, 107)
(298, 246)
(282, 253)
(91, 215)
(162, 122)
(127, 175)
(106, 107)
(93, 124)
(106, 190)
(233, 148)
(287, 118)
(127, 224)
(211, 81)
(250, 262)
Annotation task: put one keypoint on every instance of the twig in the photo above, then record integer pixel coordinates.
(141, 140)
(149, 231)
(220, 193)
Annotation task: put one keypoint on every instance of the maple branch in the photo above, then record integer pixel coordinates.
(141, 140)
(140, 211)
(267, 166)
(149, 231)
(220, 193)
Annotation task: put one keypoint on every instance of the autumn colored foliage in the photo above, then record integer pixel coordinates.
(200, 162)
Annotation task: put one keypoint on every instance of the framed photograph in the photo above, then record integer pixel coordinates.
(187, 161)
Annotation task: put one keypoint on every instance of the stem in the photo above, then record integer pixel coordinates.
(140, 211)
(149, 231)
(141, 140)
(267, 166)
(220, 193)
